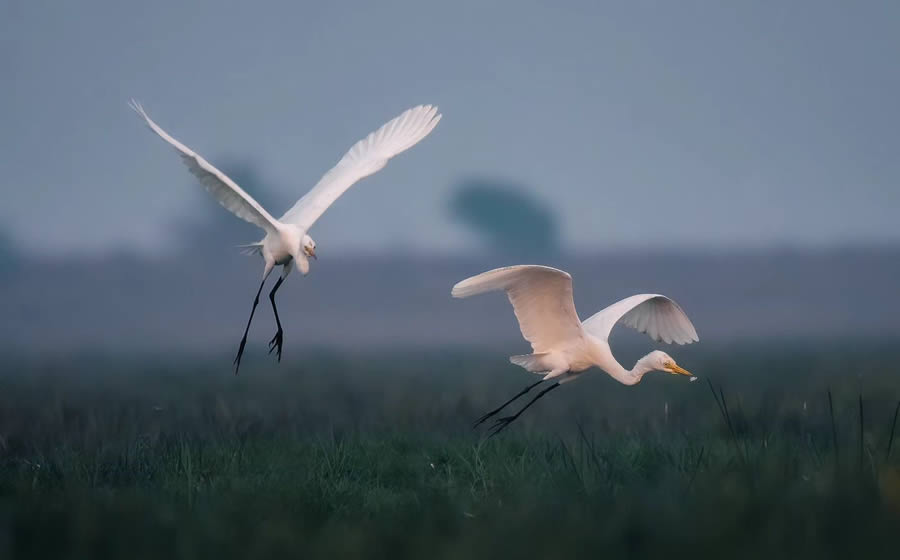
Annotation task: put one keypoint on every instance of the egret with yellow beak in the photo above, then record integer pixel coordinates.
(562, 345)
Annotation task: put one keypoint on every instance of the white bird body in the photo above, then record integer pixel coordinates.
(563, 346)
(568, 357)
(576, 356)
(279, 247)
(287, 239)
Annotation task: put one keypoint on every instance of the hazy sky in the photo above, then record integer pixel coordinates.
(685, 124)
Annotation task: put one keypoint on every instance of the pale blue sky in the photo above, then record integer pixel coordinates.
(683, 124)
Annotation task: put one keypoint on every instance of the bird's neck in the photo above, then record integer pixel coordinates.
(302, 263)
(640, 368)
(631, 376)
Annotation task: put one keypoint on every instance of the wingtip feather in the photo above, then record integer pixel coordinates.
(459, 289)
(136, 106)
(139, 109)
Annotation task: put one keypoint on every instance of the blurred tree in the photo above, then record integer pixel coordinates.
(506, 217)
(10, 254)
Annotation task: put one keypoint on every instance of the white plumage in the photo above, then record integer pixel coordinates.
(562, 345)
(287, 240)
(366, 157)
(226, 191)
(541, 298)
(657, 316)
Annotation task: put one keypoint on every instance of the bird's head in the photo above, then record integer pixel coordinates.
(305, 250)
(308, 246)
(660, 361)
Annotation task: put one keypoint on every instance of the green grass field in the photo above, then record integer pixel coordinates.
(373, 456)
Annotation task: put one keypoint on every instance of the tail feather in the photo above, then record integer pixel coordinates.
(531, 362)
(251, 248)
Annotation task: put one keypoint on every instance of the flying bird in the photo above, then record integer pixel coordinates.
(287, 240)
(562, 345)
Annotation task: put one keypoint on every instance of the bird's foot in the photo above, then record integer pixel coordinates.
(501, 423)
(276, 343)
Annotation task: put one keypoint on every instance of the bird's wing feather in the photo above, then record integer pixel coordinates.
(658, 316)
(226, 191)
(365, 158)
(541, 298)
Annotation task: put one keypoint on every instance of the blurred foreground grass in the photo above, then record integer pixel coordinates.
(372, 455)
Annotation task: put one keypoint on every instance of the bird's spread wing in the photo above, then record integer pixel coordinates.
(541, 298)
(217, 183)
(658, 316)
(365, 158)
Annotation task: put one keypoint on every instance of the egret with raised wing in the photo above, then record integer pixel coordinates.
(562, 345)
(287, 240)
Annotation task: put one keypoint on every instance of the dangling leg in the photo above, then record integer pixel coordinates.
(237, 359)
(504, 405)
(502, 423)
(278, 340)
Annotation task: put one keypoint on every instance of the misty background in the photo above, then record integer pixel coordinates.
(741, 159)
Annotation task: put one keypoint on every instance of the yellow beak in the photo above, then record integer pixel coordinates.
(681, 370)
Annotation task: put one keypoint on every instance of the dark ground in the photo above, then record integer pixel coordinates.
(371, 454)
(198, 301)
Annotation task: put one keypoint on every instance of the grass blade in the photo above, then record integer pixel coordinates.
(861, 425)
(887, 455)
(834, 438)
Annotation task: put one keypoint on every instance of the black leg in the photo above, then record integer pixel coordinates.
(502, 423)
(504, 405)
(278, 339)
(237, 359)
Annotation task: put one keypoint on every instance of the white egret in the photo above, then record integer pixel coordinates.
(287, 239)
(562, 345)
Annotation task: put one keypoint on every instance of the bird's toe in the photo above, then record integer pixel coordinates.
(276, 344)
(500, 424)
